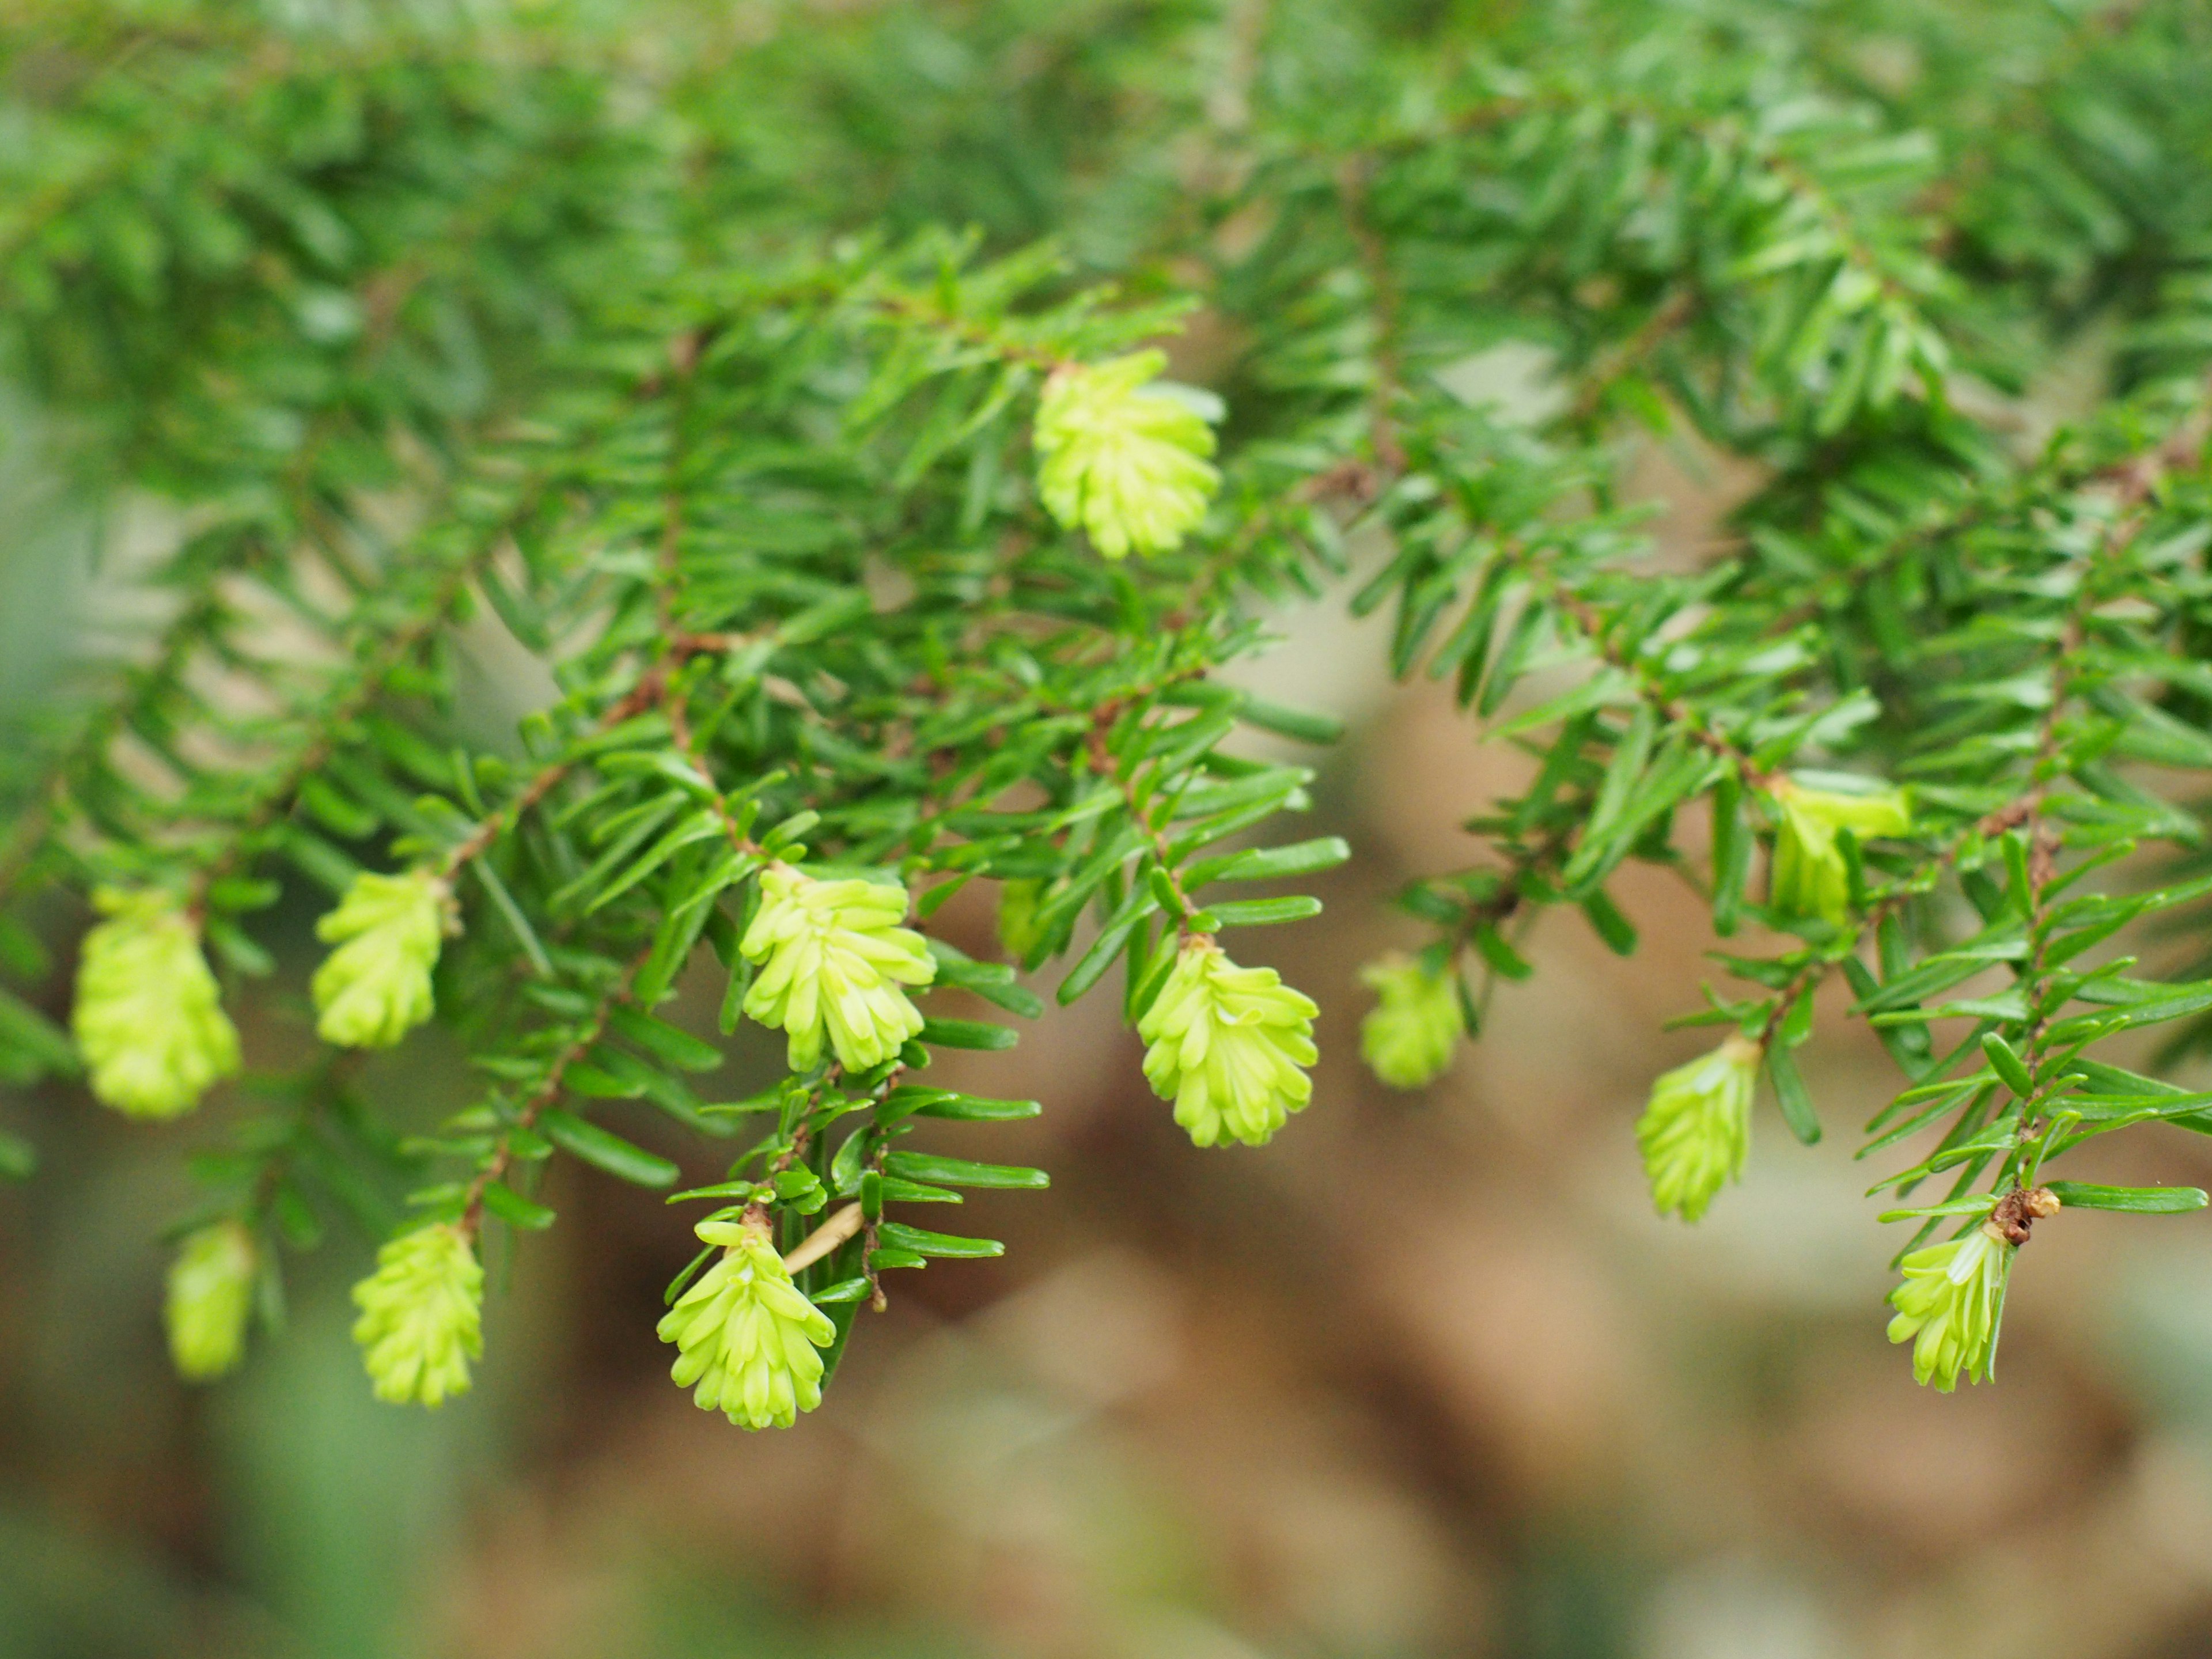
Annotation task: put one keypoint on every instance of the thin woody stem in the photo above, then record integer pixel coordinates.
(1163, 853)
(547, 1092)
(824, 1239)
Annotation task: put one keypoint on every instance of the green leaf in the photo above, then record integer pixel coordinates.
(518, 924)
(656, 1036)
(1294, 723)
(1977, 1204)
(1615, 796)
(1504, 959)
(852, 1157)
(19, 1159)
(677, 1286)
(1304, 858)
(1791, 1095)
(1615, 929)
(31, 1034)
(2006, 1065)
(978, 1108)
(992, 981)
(749, 1191)
(2137, 1200)
(703, 825)
(892, 1236)
(512, 1207)
(335, 810)
(1103, 952)
(603, 1151)
(583, 1078)
(1262, 913)
(968, 1034)
(904, 1101)
(2008, 943)
(1732, 842)
(961, 1172)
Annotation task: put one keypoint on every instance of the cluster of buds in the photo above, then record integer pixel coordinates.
(833, 958)
(1695, 1133)
(149, 1016)
(1123, 457)
(1227, 1045)
(422, 1316)
(1952, 1301)
(1810, 878)
(375, 988)
(210, 1297)
(747, 1342)
(1408, 1037)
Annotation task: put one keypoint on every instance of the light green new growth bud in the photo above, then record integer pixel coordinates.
(1948, 1305)
(1227, 1043)
(1122, 458)
(1408, 1037)
(375, 986)
(148, 1017)
(745, 1335)
(1019, 903)
(422, 1316)
(833, 956)
(1809, 876)
(1695, 1132)
(210, 1297)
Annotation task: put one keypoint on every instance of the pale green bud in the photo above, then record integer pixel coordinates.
(1695, 1132)
(832, 957)
(422, 1316)
(745, 1335)
(148, 1017)
(1809, 876)
(1949, 1304)
(210, 1297)
(1409, 1035)
(1227, 1046)
(375, 986)
(1019, 903)
(1123, 459)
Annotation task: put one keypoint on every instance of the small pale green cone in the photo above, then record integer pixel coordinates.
(833, 958)
(745, 1336)
(1408, 1037)
(1122, 457)
(1949, 1304)
(422, 1316)
(210, 1297)
(375, 986)
(1227, 1046)
(1695, 1132)
(149, 1016)
(1809, 877)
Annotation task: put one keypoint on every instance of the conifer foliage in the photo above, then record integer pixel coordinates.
(881, 425)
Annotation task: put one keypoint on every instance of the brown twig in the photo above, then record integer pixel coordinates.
(1102, 761)
(502, 1155)
(1595, 628)
(1669, 317)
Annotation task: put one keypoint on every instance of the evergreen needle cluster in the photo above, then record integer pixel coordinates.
(881, 529)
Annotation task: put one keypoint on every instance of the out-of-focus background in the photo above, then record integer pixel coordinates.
(1425, 1378)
